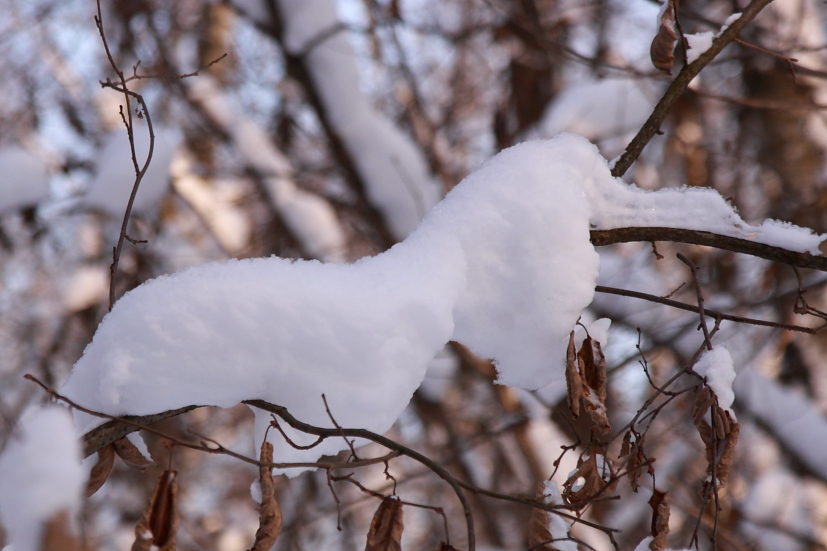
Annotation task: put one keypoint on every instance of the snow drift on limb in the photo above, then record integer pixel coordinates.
(503, 265)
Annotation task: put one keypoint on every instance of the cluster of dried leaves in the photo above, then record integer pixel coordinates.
(719, 432)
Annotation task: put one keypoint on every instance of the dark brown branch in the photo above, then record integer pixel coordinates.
(601, 238)
(679, 85)
(701, 310)
(712, 313)
(435, 467)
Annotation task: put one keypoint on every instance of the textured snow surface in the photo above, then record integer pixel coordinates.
(40, 475)
(502, 265)
(716, 366)
(698, 43)
(619, 205)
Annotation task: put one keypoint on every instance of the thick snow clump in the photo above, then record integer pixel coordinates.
(503, 265)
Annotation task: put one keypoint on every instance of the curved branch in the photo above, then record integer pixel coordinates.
(679, 85)
(601, 238)
(435, 467)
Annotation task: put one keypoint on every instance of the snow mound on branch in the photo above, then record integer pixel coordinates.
(621, 205)
(717, 368)
(503, 265)
(40, 475)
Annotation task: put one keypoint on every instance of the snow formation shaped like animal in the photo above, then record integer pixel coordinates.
(502, 265)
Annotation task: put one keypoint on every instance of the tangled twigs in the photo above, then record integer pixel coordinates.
(679, 85)
(436, 468)
(118, 427)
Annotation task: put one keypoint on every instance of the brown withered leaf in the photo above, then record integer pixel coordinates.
(662, 50)
(539, 528)
(719, 434)
(130, 455)
(270, 519)
(598, 478)
(159, 523)
(659, 502)
(385, 533)
(704, 399)
(725, 459)
(636, 459)
(57, 534)
(101, 470)
(574, 382)
(445, 547)
(592, 365)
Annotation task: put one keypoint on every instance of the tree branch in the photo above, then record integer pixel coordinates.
(601, 238)
(680, 84)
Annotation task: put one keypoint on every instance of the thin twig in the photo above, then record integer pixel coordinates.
(700, 297)
(139, 171)
(712, 313)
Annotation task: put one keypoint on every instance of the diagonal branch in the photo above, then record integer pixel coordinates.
(680, 84)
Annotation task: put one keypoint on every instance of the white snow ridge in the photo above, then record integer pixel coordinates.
(502, 265)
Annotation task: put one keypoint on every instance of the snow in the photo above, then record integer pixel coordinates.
(717, 368)
(729, 21)
(644, 545)
(40, 475)
(503, 265)
(558, 527)
(393, 169)
(697, 44)
(24, 180)
(620, 205)
(115, 174)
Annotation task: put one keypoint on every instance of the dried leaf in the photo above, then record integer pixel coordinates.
(593, 367)
(445, 547)
(725, 460)
(662, 50)
(100, 472)
(626, 446)
(270, 519)
(159, 523)
(127, 451)
(636, 459)
(539, 526)
(385, 532)
(57, 534)
(660, 520)
(704, 399)
(719, 435)
(597, 474)
(593, 370)
(573, 380)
